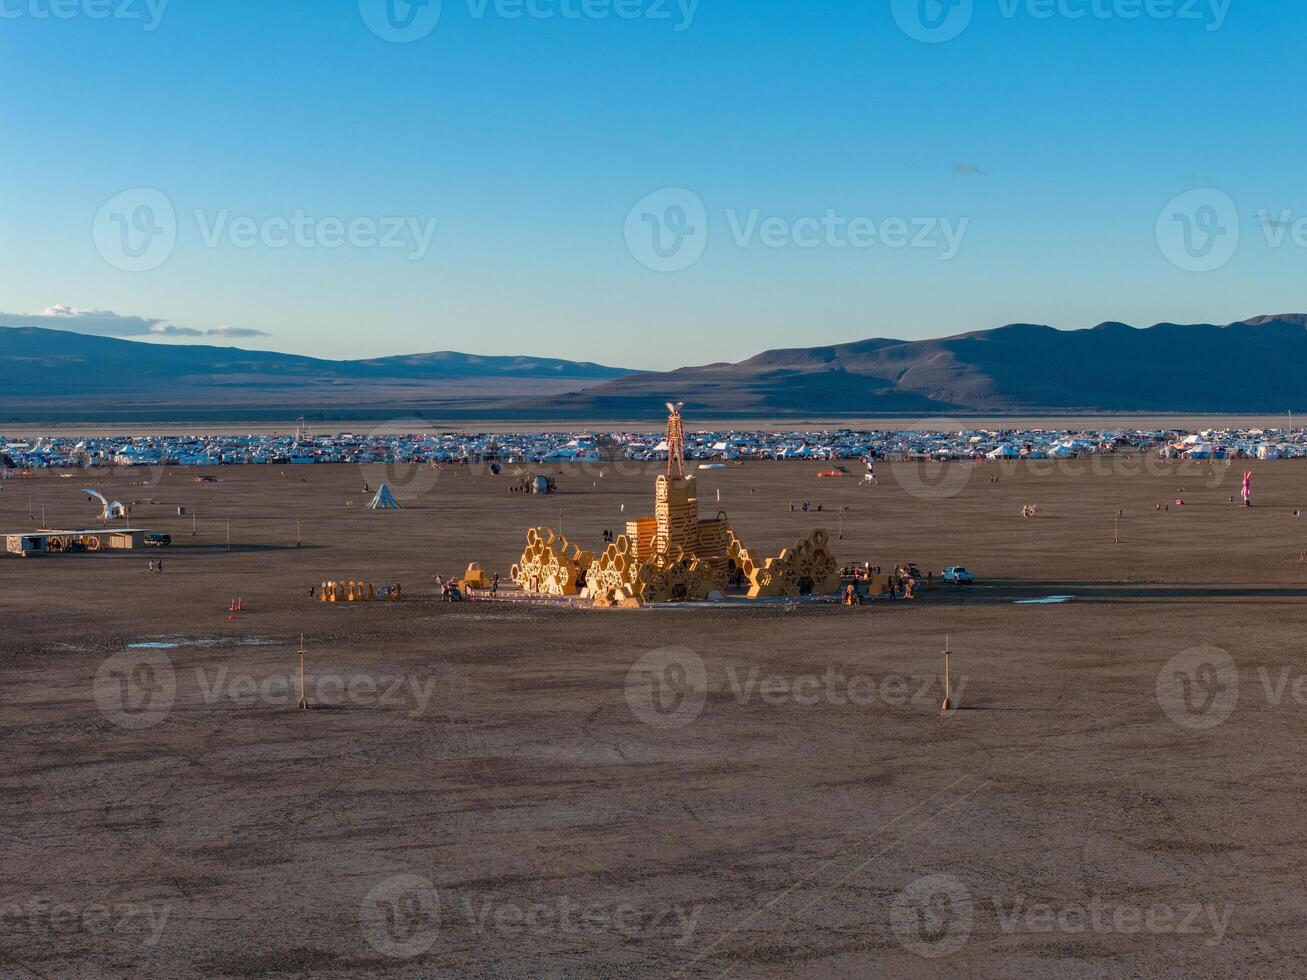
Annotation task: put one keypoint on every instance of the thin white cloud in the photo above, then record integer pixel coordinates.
(107, 323)
(234, 332)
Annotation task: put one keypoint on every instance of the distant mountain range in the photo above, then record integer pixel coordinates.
(1254, 366)
(57, 375)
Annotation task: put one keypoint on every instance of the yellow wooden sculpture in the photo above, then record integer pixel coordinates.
(674, 555)
(550, 564)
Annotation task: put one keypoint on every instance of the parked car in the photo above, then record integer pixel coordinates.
(158, 540)
(958, 575)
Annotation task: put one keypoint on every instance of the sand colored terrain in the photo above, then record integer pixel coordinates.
(488, 790)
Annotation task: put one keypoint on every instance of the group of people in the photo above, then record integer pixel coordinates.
(902, 584)
(452, 591)
(861, 572)
(805, 508)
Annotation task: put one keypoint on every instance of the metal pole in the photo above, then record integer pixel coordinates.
(297, 533)
(304, 704)
(948, 657)
(229, 534)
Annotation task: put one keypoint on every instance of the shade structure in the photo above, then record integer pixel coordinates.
(384, 500)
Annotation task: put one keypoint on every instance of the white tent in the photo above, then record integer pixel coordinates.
(109, 510)
(384, 500)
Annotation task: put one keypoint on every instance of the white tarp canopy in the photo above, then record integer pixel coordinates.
(110, 510)
(384, 500)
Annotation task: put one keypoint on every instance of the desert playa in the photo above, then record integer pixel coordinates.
(512, 787)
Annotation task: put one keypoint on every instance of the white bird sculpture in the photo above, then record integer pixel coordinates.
(110, 510)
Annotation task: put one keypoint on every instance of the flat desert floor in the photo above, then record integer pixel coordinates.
(500, 789)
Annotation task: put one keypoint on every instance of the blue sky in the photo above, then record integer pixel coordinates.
(813, 172)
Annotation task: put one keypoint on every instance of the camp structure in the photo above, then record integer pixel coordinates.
(110, 510)
(673, 555)
(52, 541)
(384, 500)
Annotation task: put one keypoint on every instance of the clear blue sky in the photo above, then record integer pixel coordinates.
(1055, 142)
